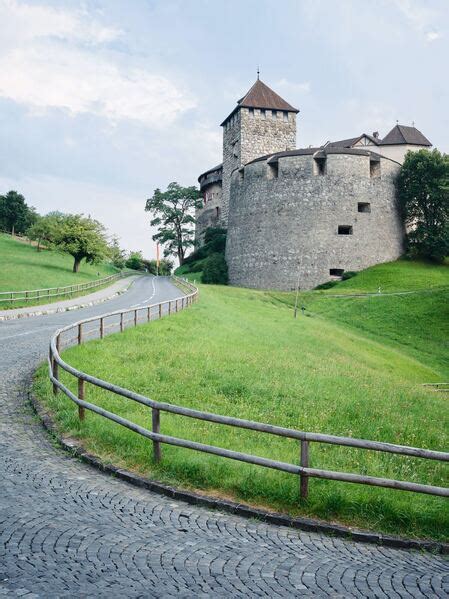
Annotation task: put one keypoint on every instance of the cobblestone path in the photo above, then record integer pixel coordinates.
(67, 530)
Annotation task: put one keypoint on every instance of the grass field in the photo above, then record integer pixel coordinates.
(239, 352)
(22, 267)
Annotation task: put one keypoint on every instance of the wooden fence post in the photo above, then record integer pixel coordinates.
(80, 334)
(169, 308)
(303, 478)
(56, 367)
(160, 310)
(135, 317)
(81, 410)
(121, 322)
(156, 427)
(101, 328)
(148, 314)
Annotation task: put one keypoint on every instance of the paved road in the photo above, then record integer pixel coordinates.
(67, 530)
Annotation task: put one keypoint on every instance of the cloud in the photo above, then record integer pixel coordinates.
(431, 36)
(421, 17)
(52, 61)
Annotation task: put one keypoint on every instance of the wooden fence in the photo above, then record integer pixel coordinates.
(118, 321)
(43, 294)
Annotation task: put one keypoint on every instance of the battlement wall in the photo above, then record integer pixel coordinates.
(297, 215)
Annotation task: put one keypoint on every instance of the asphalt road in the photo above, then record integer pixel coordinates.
(67, 530)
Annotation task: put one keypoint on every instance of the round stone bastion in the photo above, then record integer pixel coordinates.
(310, 215)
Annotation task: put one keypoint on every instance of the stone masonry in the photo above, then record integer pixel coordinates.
(311, 215)
(250, 133)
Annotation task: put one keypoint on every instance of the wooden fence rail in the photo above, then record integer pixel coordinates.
(302, 469)
(42, 294)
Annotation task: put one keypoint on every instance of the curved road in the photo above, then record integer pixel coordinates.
(67, 530)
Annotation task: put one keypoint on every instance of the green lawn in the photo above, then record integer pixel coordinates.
(22, 267)
(239, 352)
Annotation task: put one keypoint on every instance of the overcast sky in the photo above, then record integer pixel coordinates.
(102, 101)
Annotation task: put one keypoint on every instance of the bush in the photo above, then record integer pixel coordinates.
(215, 270)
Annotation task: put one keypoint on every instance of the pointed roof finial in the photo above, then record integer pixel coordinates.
(258, 72)
(413, 123)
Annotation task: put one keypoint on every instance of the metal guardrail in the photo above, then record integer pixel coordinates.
(42, 294)
(303, 469)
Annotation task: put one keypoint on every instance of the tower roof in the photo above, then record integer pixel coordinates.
(262, 96)
(401, 135)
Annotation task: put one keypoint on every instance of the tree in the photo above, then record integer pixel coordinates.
(44, 229)
(215, 270)
(165, 267)
(117, 255)
(82, 238)
(423, 194)
(15, 215)
(172, 212)
(134, 261)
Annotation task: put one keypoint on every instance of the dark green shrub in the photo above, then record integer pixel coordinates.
(215, 270)
(348, 275)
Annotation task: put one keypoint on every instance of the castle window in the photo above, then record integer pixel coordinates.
(251, 112)
(217, 212)
(263, 113)
(336, 272)
(241, 174)
(273, 170)
(319, 166)
(344, 230)
(374, 169)
(274, 114)
(363, 207)
(285, 115)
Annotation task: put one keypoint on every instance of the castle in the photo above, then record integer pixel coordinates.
(301, 215)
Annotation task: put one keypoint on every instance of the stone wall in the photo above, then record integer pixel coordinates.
(209, 215)
(284, 219)
(249, 134)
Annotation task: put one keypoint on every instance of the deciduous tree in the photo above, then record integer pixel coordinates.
(82, 238)
(15, 215)
(173, 215)
(423, 193)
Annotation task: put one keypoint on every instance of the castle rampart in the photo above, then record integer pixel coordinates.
(311, 214)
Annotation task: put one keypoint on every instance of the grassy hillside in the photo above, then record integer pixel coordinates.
(239, 352)
(22, 267)
(417, 323)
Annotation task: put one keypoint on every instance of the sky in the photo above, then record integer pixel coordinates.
(103, 101)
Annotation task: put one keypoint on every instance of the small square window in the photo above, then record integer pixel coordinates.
(263, 113)
(251, 112)
(274, 114)
(344, 230)
(285, 115)
(336, 272)
(363, 207)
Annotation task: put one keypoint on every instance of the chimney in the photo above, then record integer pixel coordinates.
(376, 134)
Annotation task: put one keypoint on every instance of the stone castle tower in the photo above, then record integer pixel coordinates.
(262, 123)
